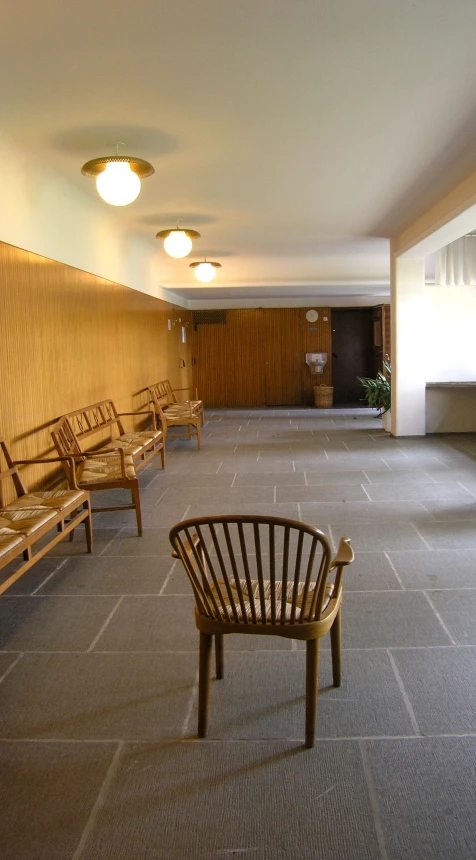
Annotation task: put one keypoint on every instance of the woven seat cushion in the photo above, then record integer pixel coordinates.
(133, 443)
(57, 499)
(195, 404)
(255, 590)
(25, 520)
(139, 437)
(8, 540)
(106, 467)
(179, 410)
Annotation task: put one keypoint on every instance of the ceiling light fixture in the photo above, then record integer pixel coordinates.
(177, 242)
(118, 176)
(205, 271)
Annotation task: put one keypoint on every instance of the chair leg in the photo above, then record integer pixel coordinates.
(197, 425)
(219, 655)
(312, 669)
(89, 527)
(204, 682)
(335, 632)
(136, 500)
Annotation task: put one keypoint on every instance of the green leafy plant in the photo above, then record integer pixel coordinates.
(378, 391)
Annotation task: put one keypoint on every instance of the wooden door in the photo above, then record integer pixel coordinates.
(352, 353)
(282, 356)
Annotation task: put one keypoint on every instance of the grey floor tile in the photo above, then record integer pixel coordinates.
(379, 536)
(426, 797)
(440, 684)
(370, 571)
(221, 496)
(452, 509)
(411, 491)
(163, 515)
(151, 623)
(340, 493)
(442, 568)
(33, 578)
(208, 508)
(391, 618)
(109, 575)
(363, 511)
(47, 792)
(77, 546)
(330, 477)
(448, 535)
(128, 543)
(97, 696)
(265, 479)
(51, 623)
(443, 474)
(458, 611)
(387, 477)
(6, 662)
(204, 800)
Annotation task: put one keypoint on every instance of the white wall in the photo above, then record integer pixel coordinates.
(42, 212)
(450, 334)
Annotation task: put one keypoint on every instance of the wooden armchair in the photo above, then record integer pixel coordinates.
(263, 575)
(176, 415)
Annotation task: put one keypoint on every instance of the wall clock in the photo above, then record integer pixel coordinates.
(312, 316)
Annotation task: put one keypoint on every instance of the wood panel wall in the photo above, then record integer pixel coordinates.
(68, 339)
(257, 357)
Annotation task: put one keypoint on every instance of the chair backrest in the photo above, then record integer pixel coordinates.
(255, 569)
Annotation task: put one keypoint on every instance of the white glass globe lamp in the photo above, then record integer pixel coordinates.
(117, 184)
(177, 242)
(118, 177)
(205, 271)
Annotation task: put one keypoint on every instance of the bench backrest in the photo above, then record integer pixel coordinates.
(72, 429)
(157, 398)
(161, 392)
(9, 470)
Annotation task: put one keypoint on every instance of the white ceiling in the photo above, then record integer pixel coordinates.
(296, 135)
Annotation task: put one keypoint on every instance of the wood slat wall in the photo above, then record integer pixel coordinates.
(258, 357)
(68, 339)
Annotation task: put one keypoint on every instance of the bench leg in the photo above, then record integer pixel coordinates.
(136, 500)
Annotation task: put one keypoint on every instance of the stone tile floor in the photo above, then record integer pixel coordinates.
(98, 664)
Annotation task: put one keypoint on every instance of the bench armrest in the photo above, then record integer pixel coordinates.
(120, 451)
(69, 460)
(148, 412)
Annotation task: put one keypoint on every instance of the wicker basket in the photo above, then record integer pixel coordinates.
(323, 396)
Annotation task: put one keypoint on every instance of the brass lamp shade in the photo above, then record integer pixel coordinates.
(164, 234)
(141, 168)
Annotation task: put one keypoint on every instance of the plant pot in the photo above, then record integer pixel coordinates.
(387, 421)
(323, 396)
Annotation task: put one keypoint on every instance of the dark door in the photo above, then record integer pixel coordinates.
(352, 353)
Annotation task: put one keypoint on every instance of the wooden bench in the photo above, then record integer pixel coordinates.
(175, 415)
(112, 464)
(34, 522)
(168, 397)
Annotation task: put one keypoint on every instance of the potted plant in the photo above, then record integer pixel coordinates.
(378, 391)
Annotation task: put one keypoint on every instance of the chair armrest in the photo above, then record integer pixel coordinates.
(69, 460)
(345, 555)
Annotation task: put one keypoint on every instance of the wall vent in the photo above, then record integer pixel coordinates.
(208, 318)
